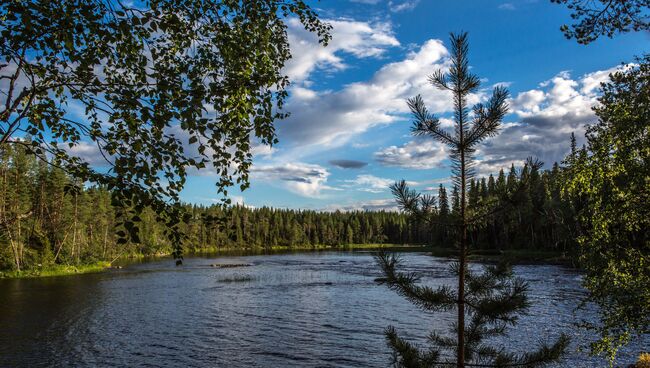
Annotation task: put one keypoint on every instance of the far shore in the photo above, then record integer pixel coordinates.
(513, 256)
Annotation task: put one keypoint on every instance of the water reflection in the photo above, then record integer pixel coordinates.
(300, 310)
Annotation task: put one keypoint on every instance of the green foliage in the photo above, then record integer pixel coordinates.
(48, 221)
(605, 18)
(160, 87)
(38, 213)
(610, 182)
(487, 302)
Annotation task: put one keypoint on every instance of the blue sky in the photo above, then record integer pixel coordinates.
(348, 136)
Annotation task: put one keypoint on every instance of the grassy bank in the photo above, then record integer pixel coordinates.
(514, 256)
(56, 270)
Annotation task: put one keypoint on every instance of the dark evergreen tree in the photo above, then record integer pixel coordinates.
(443, 202)
(486, 302)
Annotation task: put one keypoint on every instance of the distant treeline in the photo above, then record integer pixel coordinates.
(46, 217)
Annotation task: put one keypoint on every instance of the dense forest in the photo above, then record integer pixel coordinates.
(47, 217)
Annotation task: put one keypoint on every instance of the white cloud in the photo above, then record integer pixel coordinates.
(330, 118)
(236, 199)
(591, 82)
(361, 39)
(415, 154)
(307, 180)
(547, 117)
(405, 5)
(507, 6)
(369, 183)
(89, 152)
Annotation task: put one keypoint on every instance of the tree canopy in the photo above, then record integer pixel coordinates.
(605, 18)
(611, 183)
(153, 89)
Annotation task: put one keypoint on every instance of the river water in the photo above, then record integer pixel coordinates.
(320, 309)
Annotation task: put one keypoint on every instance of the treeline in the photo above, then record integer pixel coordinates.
(542, 215)
(541, 218)
(46, 218)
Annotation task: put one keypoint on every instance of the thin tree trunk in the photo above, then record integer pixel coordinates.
(74, 230)
(105, 241)
(463, 245)
(14, 250)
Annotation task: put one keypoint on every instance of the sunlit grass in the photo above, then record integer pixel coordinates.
(644, 361)
(57, 270)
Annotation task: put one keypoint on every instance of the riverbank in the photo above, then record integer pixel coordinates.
(513, 256)
(56, 270)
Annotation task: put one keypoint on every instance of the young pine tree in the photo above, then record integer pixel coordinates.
(488, 302)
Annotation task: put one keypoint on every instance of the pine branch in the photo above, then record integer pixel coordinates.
(408, 356)
(439, 79)
(544, 355)
(503, 306)
(427, 204)
(494, 278)
(405, 284)
(407, 199)
(488, 118)
(425, 123)
(461, 79)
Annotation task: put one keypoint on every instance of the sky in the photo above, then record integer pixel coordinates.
(348, 136)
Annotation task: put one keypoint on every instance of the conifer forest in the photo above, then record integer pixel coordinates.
(49, 218)
(315, 183)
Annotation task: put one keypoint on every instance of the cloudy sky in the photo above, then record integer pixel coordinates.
(348, 135)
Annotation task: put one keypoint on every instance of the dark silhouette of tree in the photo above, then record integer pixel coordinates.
(488, 302)
(159, 89)
(595, 18)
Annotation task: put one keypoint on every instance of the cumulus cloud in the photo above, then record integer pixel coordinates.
(394, 6)
(89, 152)
(360, 39)
(330, 118)
(546, 118)
(307, 180)
(369, 183)
(348, 164)
(400, 6)
(415, 154)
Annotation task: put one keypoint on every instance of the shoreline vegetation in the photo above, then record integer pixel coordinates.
(514, 256)
(49, 218)
(56, 270)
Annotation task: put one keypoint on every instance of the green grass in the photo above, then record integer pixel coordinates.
(515, 256)
(57, 270)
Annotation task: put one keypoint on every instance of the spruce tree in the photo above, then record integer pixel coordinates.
(443, 203)
(488, 302)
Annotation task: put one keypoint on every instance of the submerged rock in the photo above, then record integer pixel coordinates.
(230, 265)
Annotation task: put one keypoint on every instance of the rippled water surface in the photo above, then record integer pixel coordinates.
(289, 310)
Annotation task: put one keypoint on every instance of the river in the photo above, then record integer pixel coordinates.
(320, 309)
